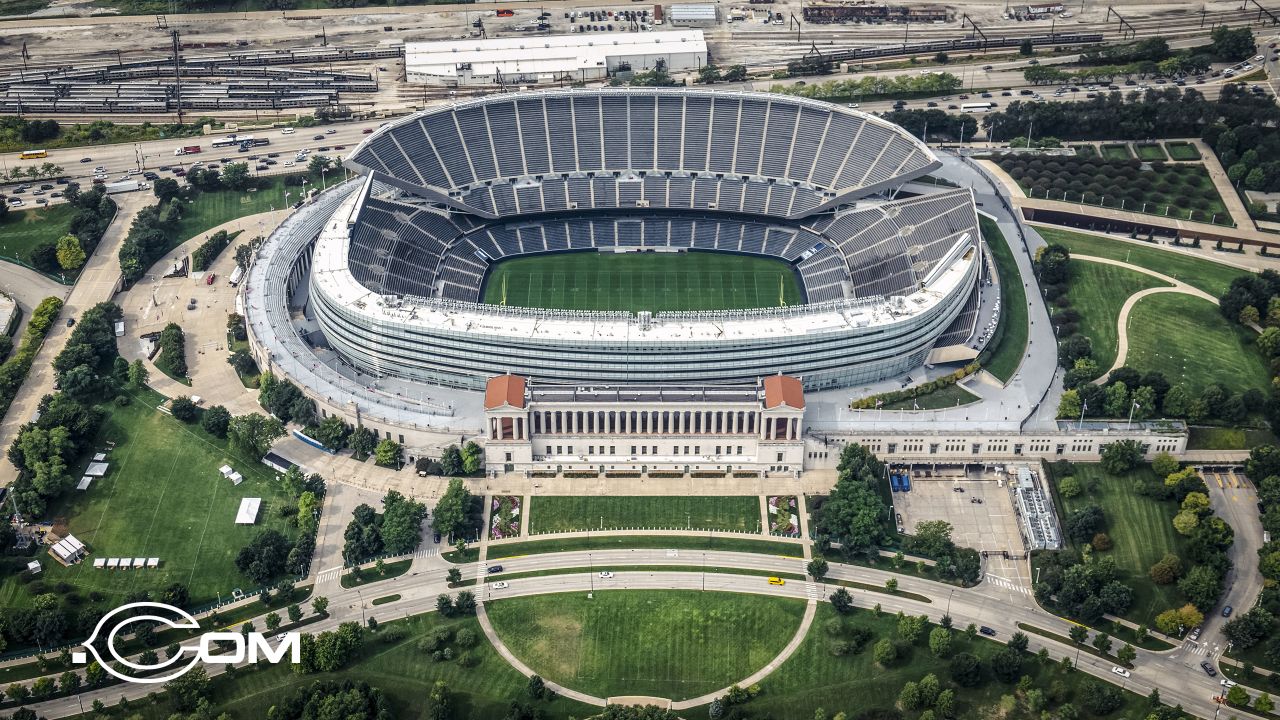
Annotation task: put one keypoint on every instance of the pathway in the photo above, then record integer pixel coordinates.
(1122, 323)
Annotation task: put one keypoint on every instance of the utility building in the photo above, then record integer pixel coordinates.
(551, 58)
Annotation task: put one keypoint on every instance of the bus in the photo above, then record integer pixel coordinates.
(33, 154)
(232, 141)
(976, 107)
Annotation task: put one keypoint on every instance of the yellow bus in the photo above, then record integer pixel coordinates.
(33, 154)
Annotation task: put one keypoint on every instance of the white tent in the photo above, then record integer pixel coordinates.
(84, 483)
(33, 567)
(96, 469)
(99, 562)
(236, 478)
(139, 562)
(99, 457)
(113, 563)
(153, 562)
(248, 513)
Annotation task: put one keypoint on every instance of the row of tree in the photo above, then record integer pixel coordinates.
(869, 86)
(397, 530)
(93, 212)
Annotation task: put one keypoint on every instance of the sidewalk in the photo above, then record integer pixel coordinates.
(98, 282)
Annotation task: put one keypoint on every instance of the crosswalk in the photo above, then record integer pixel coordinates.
(811, 591)
(1006, 584)
(329, 575)
(1201, 649)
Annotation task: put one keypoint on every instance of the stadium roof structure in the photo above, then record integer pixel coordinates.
(561, 150)
(515, 56)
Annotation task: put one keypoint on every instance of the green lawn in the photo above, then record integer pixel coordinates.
(949, 396)
(404, 673)
(1141, 529)
(1228, 438)
(671, 644)
(642, 281)
(22, 230)
(1182, 151)
(1116, 152)
(1150, 151)
(1187, 339)
(1085, 151)
(814, 677)
(1207, 275)
(1098, 292)
(649, 542)
(1004, 354)
(211, 209)
(619, 512)
(163, 497)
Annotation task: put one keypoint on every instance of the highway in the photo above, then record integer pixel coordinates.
(1175, 673)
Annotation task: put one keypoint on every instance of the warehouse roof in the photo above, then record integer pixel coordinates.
(551, 53)
(689, 12)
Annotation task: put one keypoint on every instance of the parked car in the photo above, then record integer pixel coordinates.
(1226, 611)
(1195, 634)
(71, 321)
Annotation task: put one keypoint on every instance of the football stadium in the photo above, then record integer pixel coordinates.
(635, 235)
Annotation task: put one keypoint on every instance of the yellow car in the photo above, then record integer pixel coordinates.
(777, 581)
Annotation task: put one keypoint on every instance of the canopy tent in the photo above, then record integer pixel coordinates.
(96, 469)
(153, 562)
(99, 457)
(139, 562)
(84, 483)
(225, 470)
(113, 563)
(236, 478)
(99, 562)
(248, 513)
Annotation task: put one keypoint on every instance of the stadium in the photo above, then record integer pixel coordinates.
(634, 235)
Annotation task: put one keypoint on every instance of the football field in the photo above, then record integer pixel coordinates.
(642, 281)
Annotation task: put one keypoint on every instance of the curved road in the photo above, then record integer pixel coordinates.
(1174, 672)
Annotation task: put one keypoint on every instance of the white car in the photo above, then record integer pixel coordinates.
(605, 575)
(499, 586)
(1120, 671)
(288, 163)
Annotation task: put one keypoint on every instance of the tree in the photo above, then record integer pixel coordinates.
(1232, 45)
(1173, 622)
(709, 74)
(1185, 522)
(1102, 642)
(1166, 570)
(236, 176)
(1248, 314)
(387, 453)
(332, 432)
(1122, 456)
(451, 461)
(1083, 523)
(1238, 696)
(184, 409)
(966, 669)
(216, 421)
(70, 254)
(137, 375)
(1164, 464)
(1026, 48)
(273, 621)
(932, 539)
(1019, 641)
(1264, 704)
(454, 576)
(264, 558)
(1006, 664)
(362, 441)
(253, 434)
(817, 568)
(1248, 629)
(537, 688)
(320, 605)
(472, 458)
(842, 601)
(910, 697)
(451, 511)
(884, 652)
(1079, 634)
(735, 73)
(940, 642)
(401, 523)
(1126, 654)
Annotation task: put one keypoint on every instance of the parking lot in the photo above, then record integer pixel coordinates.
(980, 511)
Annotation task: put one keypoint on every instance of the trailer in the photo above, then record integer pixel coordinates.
(657, 14)
(121, 187)
(187, 150)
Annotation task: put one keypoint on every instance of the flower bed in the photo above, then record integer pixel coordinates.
(505, 520)
(783, 519)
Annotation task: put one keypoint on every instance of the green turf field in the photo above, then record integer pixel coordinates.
(642, 281)
(1098, 292)
(562, 514)
(671, 644)
(22, 230)
(1186, 338)
(163, 497)
(1141, 529)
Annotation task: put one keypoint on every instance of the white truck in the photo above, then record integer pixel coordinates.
(121, 186)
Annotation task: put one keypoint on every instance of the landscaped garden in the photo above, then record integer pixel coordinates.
(1097, 292)
(1207, 275)
(783, 517)
(671, 644)
(625, 512)
(709, 541)
(1004, 352)
(1182, 151)
(1115, 151)
(505, 514)
(22, 230)
(1150, 152)
(1178, 190)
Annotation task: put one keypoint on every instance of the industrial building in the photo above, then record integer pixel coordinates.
(550, 58)
(693, 14)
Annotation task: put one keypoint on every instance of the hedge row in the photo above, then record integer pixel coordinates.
(209, 250)
(14, 370)
(869, 402)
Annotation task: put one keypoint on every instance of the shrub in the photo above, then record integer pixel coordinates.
(203, 256)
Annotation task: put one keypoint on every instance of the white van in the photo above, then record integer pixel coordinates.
(287, 131)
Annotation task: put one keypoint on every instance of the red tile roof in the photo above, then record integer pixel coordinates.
(504, 390)
(783, 390)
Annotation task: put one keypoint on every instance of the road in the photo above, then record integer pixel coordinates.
(1175, 673)
(1235, 500)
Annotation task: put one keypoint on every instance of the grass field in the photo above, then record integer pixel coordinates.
(647, 542)
(165, 498)
(1003, 357)
(1116, 152)
(815, 678)
(1182, 151)
(1186, 338)
(22, 230)
(1098, 292)
(949, 396)
(211, 209)
(1207, 275)
(671, 644)
(561, 514)
(642, 281)
(1141, 529)
(1228, 438)
(1085, 151)
(404, 673)
(1149, 151)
